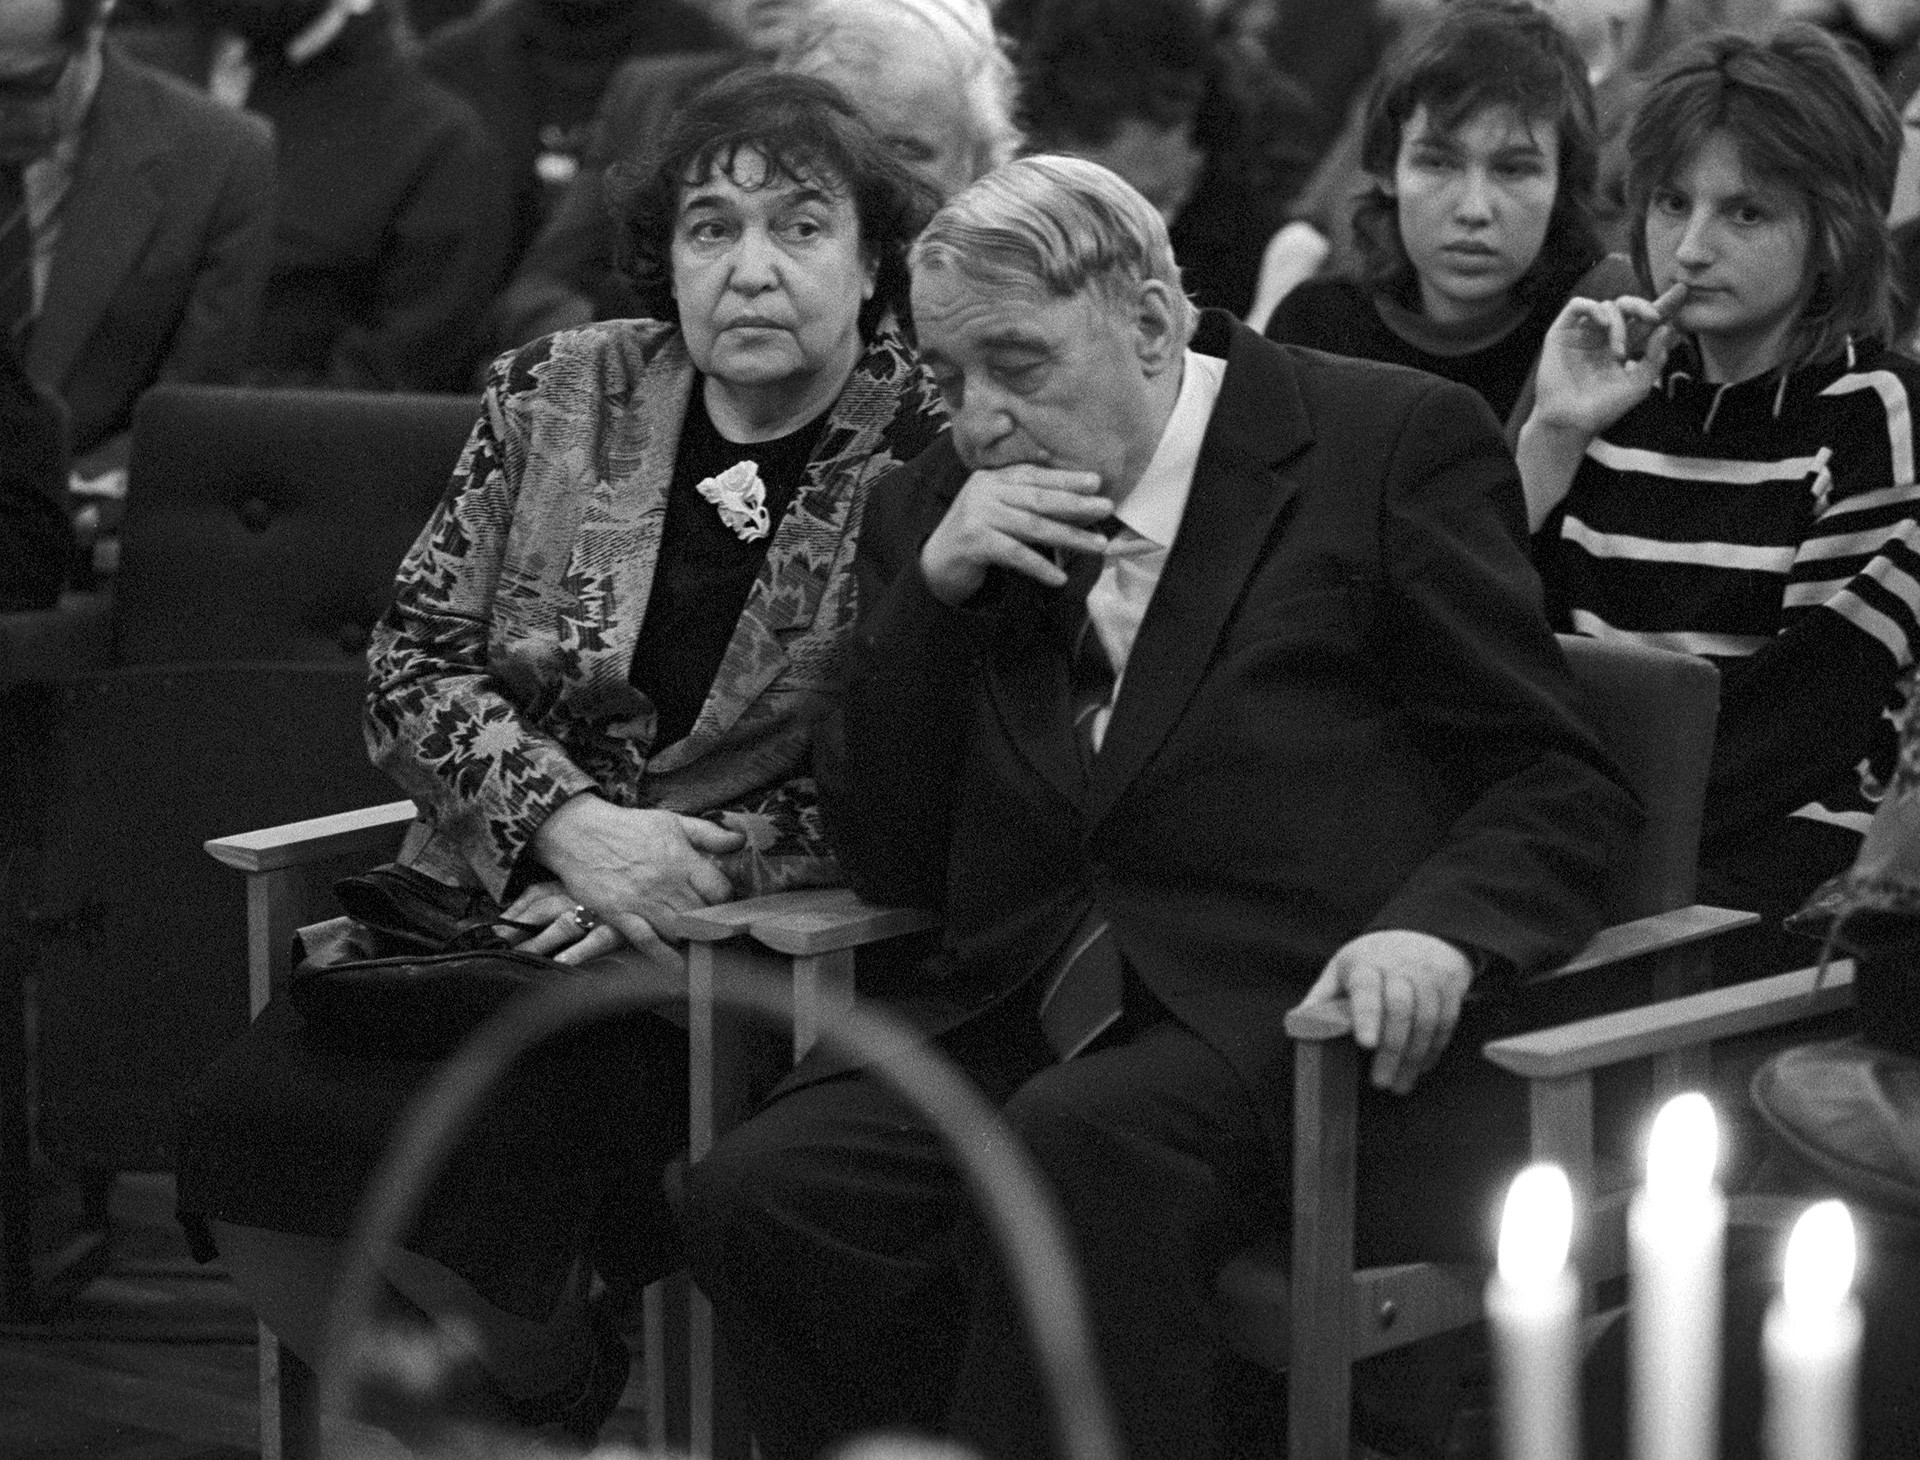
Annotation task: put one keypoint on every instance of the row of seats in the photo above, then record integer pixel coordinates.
(216, 686)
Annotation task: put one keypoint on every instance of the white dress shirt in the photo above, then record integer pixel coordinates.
(1151, 514)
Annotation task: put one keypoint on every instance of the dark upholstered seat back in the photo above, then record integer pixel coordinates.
(267, 524)
(1655, 711)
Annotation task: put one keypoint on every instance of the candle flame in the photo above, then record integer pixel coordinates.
(1820, 1258)
(1536, 1225)
(1684, 1146)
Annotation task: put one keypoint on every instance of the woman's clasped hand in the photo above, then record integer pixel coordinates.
(633, 871)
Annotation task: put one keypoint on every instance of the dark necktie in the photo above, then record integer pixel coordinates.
(1083, 995)
(16, 257)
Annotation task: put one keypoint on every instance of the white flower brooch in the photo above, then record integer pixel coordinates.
(741, 499)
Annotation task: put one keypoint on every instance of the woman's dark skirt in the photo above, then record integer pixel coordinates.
(287, 1126)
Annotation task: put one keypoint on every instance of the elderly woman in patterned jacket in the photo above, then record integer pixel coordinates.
(599, 679)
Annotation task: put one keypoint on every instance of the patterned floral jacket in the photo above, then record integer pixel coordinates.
(498, 685)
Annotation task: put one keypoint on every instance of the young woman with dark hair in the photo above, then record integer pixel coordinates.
(1479, 223)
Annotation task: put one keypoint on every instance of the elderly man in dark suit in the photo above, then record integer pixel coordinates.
(1195, 677)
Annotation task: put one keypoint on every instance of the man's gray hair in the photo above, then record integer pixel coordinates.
(1055, 225)
(865, 36)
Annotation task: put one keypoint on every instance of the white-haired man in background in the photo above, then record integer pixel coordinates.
(1195, 677)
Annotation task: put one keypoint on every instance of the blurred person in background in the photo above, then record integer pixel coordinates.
(929, 75)
(1886, 33)
(136, 219)
(1201, 123)
(535, 70)
(1478, 224)
(392, 215)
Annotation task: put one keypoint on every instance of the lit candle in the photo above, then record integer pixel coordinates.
(1812, 1341)
(1676, 1231)
(1533, 1305)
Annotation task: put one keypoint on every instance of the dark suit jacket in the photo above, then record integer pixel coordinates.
(35, 541)
(570, 275)
(497, 57)
(165, 239)
(392, 227)
(1344, 712)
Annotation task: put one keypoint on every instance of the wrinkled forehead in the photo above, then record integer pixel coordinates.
(960, 310)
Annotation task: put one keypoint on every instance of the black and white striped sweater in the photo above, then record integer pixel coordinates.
(1769, 526)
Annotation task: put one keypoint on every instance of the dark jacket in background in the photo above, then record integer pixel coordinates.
(570, 276)
(35, 541)
(392, 225)
(165, 238)
(535, 70)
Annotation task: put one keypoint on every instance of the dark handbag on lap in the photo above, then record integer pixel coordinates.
(414, 968)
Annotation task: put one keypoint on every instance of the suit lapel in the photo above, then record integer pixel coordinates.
(627, 454)
(109, 213)
(1238, 495)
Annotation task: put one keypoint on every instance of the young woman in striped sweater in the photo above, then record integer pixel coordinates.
(1728, 469)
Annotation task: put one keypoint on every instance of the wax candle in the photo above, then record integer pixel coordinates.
(1812, 1341)
(1676, 1231)
(1533, 1305)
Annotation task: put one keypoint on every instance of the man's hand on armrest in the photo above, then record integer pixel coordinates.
(1406, 989)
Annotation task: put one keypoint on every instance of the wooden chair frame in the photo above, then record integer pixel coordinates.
(809, 938)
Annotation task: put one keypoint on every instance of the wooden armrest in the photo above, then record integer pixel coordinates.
(1616, 944)
(300, 842)
(809, 921)
(1655, 934)
(1331, 1020)
(1610, 1039)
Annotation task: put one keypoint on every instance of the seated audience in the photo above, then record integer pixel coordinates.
(1479, 221)
(392, 221)
(1728, 470)
(1620, 41)
(1176, 740)
(35, 541)
(929, 74)
(142, 220)
(535, 70)
(1201, 123)
(622, 737)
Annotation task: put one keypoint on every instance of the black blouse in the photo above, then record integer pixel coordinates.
(705, 569)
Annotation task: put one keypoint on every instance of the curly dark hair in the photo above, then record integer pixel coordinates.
(1470, 55)
(1086, 66)
(806, 131)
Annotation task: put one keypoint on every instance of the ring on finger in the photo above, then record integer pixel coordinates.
(584, 918)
